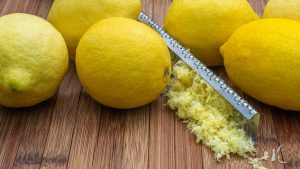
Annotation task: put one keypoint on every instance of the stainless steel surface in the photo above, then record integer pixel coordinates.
(213, 80)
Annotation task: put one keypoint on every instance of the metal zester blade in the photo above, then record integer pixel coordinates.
(250, 114)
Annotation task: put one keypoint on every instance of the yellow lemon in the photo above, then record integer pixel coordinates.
(263, 59)
(33, 60)
(73, 17)
(122, 63)
(283, 9)
(204, 25)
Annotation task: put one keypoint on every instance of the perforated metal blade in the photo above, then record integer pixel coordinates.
(248, 112)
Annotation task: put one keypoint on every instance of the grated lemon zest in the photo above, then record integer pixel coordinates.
(207, 114)
(211, 118)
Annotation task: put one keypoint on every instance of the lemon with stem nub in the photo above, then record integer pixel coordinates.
(33, 60)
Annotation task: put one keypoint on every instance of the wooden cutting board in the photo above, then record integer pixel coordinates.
(73, 131)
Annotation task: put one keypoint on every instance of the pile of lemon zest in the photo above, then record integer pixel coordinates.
(207, 114)
(211, 118)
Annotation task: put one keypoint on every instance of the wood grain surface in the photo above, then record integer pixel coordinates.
(72, 131)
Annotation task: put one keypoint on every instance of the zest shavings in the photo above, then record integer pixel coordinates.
(209, 116)
(257, 162)
(273, 155)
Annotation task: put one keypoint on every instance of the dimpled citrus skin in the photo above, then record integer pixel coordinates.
(204, 25)
(73, 17)
(283, 9)
(33, 60)
(122, 63)
(263, 59)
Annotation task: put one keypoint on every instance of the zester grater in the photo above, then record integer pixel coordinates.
(248, 112)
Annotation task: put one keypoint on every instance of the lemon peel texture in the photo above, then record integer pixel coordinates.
(282, 9)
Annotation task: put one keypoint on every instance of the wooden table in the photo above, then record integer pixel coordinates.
(73, 131)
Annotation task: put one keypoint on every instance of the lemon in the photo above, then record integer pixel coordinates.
(263, 59)
(203, 26)
(123, 63)
(33, 60)
(73, 17)
(283, 9)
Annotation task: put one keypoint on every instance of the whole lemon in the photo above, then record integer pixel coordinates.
(283, 9)
(73, 17)
(203, 26)
(123, 63)
(33, 60)
(263, 59)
